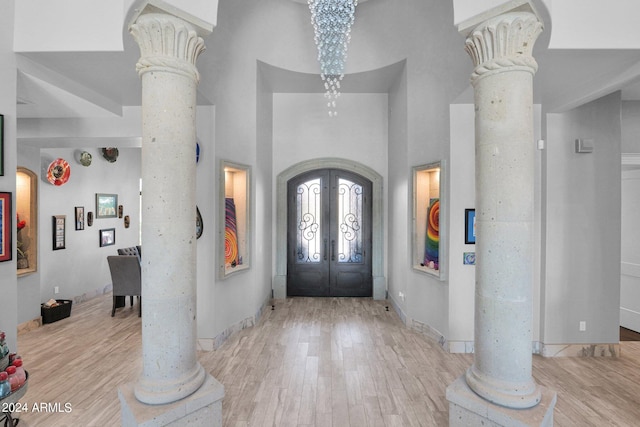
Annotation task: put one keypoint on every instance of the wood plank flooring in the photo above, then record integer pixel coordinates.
(310, 362)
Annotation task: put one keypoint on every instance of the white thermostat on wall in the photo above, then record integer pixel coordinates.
(584, 145)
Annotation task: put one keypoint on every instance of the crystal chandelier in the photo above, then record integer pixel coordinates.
(332, 21)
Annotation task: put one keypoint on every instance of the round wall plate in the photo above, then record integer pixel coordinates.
(58, 172)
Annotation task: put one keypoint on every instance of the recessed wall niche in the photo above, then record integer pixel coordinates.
(27, 221)
(235, 218)
(427, 202)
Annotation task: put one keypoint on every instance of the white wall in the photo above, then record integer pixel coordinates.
(583, 225)
(39, 142)
(81, 270)
(55, 25)
(574, 22)
(8, 83)
(396, 189)
(206, 191)
(630, 127)
(433, 80)
(68, 25)
(630, 252)
(462, 185)
(303, 130)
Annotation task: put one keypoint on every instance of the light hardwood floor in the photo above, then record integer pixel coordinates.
(310, 362)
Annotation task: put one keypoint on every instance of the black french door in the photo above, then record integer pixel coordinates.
(329, 234)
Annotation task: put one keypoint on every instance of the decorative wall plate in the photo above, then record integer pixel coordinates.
(59, 172)
(110, 154)
(85, 158)
(199, 225)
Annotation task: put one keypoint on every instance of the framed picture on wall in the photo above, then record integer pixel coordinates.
(6, 229)
(58, 226)
(470, 226)
(106, 205)
(107, 237)
(79, 217)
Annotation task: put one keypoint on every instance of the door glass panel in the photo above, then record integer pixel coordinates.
(308, 214)
(349, 221)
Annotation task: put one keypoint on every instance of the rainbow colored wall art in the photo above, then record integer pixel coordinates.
(432, 243)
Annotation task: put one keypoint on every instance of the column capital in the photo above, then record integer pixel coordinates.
(503, 42)
(167, 43)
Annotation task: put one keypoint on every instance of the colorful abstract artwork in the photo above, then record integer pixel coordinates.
(432, 244)
(230, 233)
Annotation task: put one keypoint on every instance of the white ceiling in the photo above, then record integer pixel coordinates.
(96, 84)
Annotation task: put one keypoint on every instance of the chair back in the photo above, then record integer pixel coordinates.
(131, 250)
(125, 275)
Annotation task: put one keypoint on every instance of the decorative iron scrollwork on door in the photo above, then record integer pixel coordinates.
(350, 204)
(308, 211)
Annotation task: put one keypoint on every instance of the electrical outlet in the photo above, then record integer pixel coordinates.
(401, 296)
(56, 290)
(583, 326)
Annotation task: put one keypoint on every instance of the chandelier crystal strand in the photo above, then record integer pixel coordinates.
(332, 21)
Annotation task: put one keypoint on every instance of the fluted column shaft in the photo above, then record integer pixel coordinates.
(502, 79)
(169, 47)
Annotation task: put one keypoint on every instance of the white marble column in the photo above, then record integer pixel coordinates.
(500, 44)
(501, 50)
(173, 388)
(169, 47)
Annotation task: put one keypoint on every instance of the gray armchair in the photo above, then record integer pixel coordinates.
(126, 279)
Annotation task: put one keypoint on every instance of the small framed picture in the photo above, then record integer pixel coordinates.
(6, 228)
(470, 226)
(106, 205)
(79, 217)
(58, 226)
(107, 237)
(469, 258)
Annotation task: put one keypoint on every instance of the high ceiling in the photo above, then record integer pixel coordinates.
(96, 84)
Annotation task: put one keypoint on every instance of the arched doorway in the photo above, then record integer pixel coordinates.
(279, 284)
(329, 234)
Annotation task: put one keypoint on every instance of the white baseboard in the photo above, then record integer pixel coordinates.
(630, 319)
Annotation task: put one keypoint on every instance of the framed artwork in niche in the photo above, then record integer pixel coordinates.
(106, 205)
(235, 190)
(6, 230)
(427, 243)
(26, 205)
(58, 226)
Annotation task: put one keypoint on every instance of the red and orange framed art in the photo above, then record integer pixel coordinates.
(5, 226)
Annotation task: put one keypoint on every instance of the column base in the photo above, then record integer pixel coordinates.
(466, 408)
(202, 408)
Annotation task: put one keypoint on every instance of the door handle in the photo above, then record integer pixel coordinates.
(325, 250)
(333, 250)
